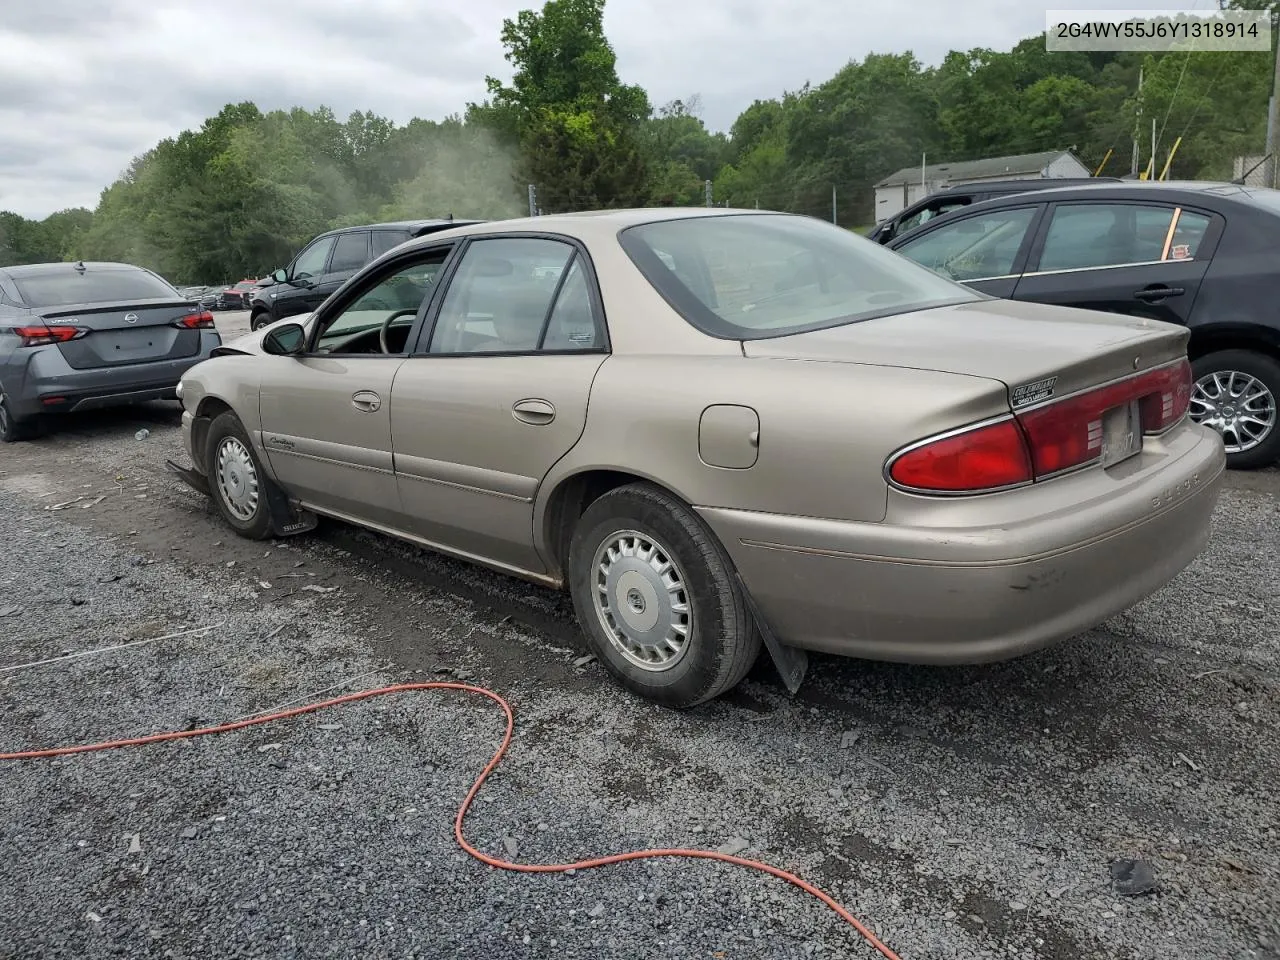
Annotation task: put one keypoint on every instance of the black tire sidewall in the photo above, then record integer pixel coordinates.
(259, 320)
(1265, 369)
(712, 594)
(229, 425)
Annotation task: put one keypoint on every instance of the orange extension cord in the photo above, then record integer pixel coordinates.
(791, 878)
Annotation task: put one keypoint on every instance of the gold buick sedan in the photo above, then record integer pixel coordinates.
(721, 430)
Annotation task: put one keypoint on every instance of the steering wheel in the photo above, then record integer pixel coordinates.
(386, 325)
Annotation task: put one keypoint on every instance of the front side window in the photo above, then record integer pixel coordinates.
(351, 252)
(60, 288)
(392, 302)
(752, 276)
(975, 248)
(501, 297)
(1087, 235)
(311, 261)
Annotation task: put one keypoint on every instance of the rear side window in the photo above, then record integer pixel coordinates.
(1188, 235)
(1086, 235)
(384, 240)
(351, 252)
(92, 286)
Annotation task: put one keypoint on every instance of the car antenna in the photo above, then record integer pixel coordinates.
(1240, 180)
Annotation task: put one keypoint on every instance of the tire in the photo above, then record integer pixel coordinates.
(1220, 380)
(259, 319)
(13, 430)
(240, 493)
(722, 641)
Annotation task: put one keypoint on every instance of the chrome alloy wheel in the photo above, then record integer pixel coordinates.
(237, 478)
(1239, 406)
(639, 595)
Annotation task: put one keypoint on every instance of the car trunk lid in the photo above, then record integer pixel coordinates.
(117, 334)
(1037, 351)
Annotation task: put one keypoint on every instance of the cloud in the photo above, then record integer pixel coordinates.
(86, 85)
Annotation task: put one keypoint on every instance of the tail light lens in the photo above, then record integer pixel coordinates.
(984, 458)
(195, 321)
(36, 336)
(1039, 443)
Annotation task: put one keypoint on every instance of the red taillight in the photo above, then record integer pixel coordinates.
(1039, 443)
(1170, 399)
(195, 321)
(1068, 433)
(41, 335)
(984, 458)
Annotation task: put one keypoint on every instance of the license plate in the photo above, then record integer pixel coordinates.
(1121, 434)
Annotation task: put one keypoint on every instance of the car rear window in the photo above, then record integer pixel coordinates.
(753, 276)
(92, 286)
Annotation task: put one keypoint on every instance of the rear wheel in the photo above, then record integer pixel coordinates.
(11, 429)
(236, 480)
(656, 596)
(1236, 393)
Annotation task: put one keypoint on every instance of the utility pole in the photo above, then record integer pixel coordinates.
(706, 185)
(1272, 118)
(533, 201)
(1136, 119)
(833, 203)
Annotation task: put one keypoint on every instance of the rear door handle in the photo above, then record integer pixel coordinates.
(537, 412)
(1153, 293)
(366, 400)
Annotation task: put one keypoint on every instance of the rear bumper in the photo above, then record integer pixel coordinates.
(949, 593)
(46, 384)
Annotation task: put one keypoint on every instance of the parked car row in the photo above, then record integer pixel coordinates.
(1020, 409)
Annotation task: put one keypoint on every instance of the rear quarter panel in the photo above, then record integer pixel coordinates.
(825, 429)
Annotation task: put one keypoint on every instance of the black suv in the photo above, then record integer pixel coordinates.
(328, 261)
(953, 198)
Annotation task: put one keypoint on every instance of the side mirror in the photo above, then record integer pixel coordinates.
(285, 340)
(280, 276)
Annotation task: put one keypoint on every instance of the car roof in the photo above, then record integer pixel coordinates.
(413, 226)
(1028, 185)
(591, 223)
(1170, 191)
(18, 271)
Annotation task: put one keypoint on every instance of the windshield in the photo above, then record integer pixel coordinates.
(752, 276)
(91, 286)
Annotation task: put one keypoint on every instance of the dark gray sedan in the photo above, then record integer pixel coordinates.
(81, 336)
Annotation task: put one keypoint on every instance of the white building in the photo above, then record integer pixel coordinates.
(899, 191)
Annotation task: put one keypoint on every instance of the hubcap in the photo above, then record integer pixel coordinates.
(1239, 406)
(639, 596)
(237, 479)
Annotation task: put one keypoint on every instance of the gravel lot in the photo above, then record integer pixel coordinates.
(968, 813)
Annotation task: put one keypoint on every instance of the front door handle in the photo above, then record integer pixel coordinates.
(537, 412)
(1160, 292)
(366, 401)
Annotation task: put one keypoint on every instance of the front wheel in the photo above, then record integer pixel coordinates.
(259, 319)
(656, 596)
(1236, 392)
(236, 480)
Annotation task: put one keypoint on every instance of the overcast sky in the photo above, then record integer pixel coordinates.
(86, 85)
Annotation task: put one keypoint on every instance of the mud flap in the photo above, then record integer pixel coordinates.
(193, 477)
(791, 662)
(287, 518)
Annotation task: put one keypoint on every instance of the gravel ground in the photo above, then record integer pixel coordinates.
(966, 813)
